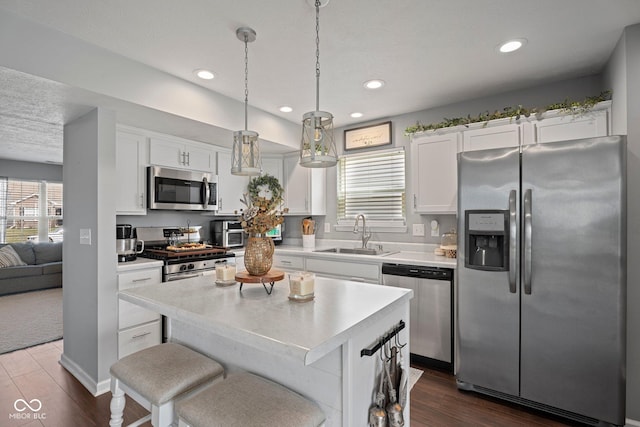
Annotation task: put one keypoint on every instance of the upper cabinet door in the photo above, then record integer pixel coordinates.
(304, 188)
(500, 136)
(434, 176)
(273, 167)
(201, 157)
(230, 187)
(131, 163)
(567, 127)
(163, 152)
(181, 154)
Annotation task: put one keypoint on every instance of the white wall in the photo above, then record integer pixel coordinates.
(29, 170)
(89, 271)
(622, 72)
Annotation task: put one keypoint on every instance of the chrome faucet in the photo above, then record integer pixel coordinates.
(365, 236)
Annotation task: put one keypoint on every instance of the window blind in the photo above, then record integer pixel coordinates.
(372, 184)
(29, 209)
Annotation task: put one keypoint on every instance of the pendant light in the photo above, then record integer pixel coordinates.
(245, 157)
(318, 148)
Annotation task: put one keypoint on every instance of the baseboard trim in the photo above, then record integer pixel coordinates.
(632, 423)
(96, 389)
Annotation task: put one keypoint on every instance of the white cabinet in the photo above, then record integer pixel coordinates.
(492, 136)
(288, 262)
(230, 187)
(138, 328)
(131, 164)
(304, 188)
(433, 155)
(565, 127)
(183, 154)
(434, 173)
(347, 270)
(273, 167)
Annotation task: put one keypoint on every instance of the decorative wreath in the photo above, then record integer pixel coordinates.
(271, 182)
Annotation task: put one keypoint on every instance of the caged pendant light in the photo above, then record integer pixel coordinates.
(318, 148)
(245, 157)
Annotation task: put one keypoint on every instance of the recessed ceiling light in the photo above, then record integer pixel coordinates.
(204, 74)
(286, 109)
(374, 84)
(356, 115)
(512, 45)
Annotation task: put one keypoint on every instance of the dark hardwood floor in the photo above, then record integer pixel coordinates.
(35, 373)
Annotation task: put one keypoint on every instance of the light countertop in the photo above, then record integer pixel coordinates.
(396, 256)
(303, 331)
(138, 264)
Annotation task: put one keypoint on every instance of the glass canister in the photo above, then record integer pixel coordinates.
(449, 243)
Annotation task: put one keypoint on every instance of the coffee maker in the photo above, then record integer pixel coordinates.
(126, 243)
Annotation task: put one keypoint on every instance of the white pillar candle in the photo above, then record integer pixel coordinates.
(225, 272)
(301, 283)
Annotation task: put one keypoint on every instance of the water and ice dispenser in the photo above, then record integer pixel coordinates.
(487, 240)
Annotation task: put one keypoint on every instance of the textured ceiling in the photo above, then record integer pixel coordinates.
(429, 52)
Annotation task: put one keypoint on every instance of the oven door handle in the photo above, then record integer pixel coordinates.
(205, 192)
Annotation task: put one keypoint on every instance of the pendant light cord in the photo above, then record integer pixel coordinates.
(317, 55)
(246, 79)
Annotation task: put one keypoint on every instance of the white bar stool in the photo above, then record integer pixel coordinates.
(247, 400)
(155, 377)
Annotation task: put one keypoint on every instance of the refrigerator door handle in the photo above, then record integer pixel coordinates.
(512, 241)
(527, 242)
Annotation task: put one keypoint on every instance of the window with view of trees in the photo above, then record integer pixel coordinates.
(372, 184)
(30, 210)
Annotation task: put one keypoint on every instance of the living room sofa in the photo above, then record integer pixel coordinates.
(43, 269)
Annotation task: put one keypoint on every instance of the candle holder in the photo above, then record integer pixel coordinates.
(225, 274)
(301, 286)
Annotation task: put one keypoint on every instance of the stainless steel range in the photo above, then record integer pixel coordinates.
(182, 251)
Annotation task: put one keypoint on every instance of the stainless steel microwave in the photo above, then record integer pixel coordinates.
(182, 190)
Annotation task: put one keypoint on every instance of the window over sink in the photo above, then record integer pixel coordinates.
(372, 184)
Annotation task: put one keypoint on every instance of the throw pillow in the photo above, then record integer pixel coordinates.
(9, 257)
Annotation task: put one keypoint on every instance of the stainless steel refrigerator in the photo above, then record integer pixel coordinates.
(541, 292)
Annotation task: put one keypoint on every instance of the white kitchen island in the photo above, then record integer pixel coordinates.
(312, 348)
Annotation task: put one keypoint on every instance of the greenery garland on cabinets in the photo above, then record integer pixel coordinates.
(567, 106)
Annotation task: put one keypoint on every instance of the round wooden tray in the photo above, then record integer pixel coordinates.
(269, 277)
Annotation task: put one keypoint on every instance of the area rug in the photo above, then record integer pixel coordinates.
(414, 376)
(30, 318)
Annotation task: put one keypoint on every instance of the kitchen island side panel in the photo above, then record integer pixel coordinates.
(342, 383)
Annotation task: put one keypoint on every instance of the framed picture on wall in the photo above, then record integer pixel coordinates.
(367, 136)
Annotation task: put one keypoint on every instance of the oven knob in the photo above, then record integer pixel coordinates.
(191, 267)
(183, 267)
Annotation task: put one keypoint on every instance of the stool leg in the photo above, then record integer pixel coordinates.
(117, 403)
(162, 416)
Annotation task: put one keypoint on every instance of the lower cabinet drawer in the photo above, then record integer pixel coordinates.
(131, 314)
(139, 338)
(347, 270)
(286, 262)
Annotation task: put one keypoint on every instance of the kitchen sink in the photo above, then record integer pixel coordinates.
(358, 251)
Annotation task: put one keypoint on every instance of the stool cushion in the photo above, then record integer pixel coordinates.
(161, 372)
(247, 400)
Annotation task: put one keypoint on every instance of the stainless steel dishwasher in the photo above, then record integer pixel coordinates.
(431, 310)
